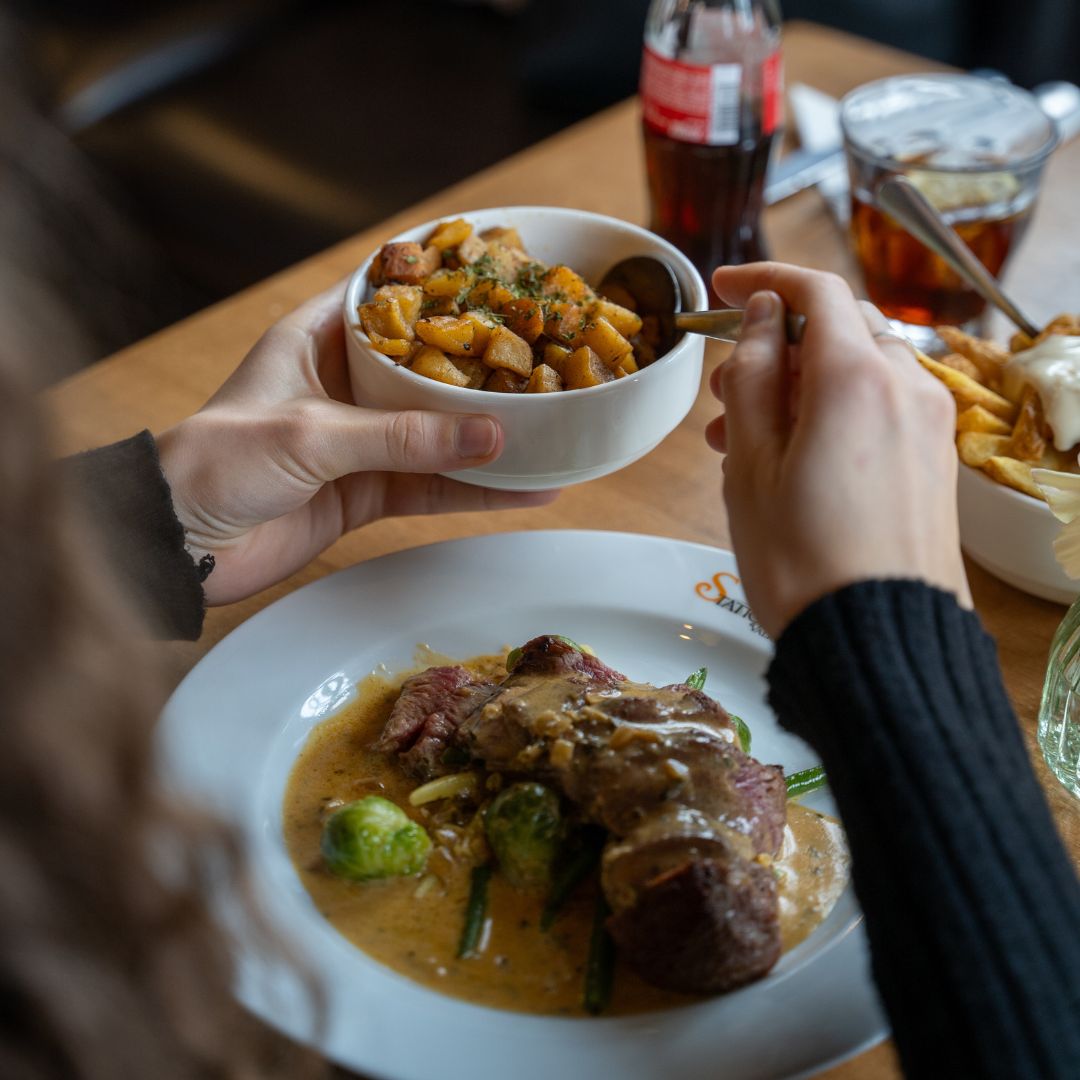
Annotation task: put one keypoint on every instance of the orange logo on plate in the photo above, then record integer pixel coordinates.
(715, 590)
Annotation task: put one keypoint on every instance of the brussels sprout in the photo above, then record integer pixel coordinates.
(372, 838)
(524, 828)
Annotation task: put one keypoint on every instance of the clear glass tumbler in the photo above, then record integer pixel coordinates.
(976, 150)
(1059, 711)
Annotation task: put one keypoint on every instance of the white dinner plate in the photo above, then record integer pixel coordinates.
(653, 608)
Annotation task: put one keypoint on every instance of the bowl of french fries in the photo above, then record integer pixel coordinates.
(496, 312)
(1001, 435)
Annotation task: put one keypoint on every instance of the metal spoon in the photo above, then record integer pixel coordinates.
(904, 202)
(653, 284)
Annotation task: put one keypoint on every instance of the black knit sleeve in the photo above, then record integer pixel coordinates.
(972, 905)
(123, 490)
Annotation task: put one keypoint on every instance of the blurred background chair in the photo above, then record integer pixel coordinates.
(244, 135)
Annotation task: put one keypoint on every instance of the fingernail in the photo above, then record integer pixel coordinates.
(475, 436)
(761, 307)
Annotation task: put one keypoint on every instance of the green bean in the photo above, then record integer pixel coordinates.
(802, 783)
(600, 966)
(697, 680)
(475, 911)
(742, 731)
(579, 859)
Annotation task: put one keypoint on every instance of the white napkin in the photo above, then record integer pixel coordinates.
(1062, 491)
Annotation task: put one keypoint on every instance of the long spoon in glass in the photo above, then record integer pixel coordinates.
(904, 202)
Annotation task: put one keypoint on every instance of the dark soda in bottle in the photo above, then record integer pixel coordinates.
(711, 92)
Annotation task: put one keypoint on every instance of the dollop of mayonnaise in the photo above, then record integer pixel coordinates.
(1053, 368)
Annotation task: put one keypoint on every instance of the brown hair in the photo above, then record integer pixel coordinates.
(110, 965)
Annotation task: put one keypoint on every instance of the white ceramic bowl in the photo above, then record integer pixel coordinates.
(1011, 535)
(551, 440)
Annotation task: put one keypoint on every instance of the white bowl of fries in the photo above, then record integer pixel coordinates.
(1001, 434)
(551, 440)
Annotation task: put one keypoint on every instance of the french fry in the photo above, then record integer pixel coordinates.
(1014, 474)
(1060, 324)
(976, 418)
(1005, 434)
(976, 448)
(961, 364)
(987, 357)
(1028, 441)
(967, 391)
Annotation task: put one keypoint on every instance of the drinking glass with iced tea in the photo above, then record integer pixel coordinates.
(976, 150)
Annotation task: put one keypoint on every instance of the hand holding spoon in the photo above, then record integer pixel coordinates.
(653, 284)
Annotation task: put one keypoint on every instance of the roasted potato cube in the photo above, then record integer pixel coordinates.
(525, 317)
(489, 294)
(447, 282)
(618, 295)
(650, 330)
(627, 365)
(565, 324)
(623, 319)
(449, 333)
(976, 418)
(1014, 474)
(504, 381)
(483, 324)
(555, 356)
(607, 342)
(409, 263)
(976, 448)
(436, 365)
(385, 318)
(562, 283)
(476, 371)
(506, 237)
(543, 380)
(1030, 432)
(409, 298)
(584, 368)
(375, 271)
(439, 305)
(506, 350)
(967, 391)
(644, 353)
(470, 249)
(389, 346)
(449, 234)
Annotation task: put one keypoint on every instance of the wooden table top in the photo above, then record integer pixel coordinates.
(676, 490)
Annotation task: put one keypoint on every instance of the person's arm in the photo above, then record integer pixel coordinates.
(972, 906)
(270, 472)
(840, 482)
(125, 497)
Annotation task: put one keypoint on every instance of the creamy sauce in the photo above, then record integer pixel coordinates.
(1053, 368)
(412, 924)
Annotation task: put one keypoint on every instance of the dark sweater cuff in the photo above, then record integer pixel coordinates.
(972, 906)
(126, 495)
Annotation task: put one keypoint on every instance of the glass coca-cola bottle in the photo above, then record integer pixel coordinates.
(711, 91)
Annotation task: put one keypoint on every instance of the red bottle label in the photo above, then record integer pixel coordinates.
(701, 103)
(772, 94)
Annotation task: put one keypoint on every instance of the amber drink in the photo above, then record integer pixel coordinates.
(976, 150)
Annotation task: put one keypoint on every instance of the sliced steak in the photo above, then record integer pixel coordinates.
(427, 713)
(694, 820)
(709, 925)
(552, 655)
